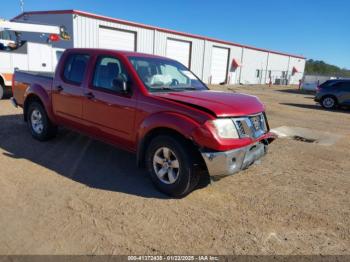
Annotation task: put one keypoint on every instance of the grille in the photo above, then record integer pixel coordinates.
(251, 126)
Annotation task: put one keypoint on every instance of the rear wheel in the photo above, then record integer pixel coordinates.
(170, 165)
(2, 88)
(39, 124)
(329, 102)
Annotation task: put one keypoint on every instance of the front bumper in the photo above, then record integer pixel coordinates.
(230, 162)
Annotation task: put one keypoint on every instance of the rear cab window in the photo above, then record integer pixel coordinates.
(75, 68)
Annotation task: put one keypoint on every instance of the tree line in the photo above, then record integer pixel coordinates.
(316, 67)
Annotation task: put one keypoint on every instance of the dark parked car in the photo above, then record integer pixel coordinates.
(333, 93)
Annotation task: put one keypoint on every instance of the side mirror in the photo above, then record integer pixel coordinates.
(121, 85)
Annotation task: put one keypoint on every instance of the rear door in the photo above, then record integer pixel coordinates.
(107, 110)
(68, 91)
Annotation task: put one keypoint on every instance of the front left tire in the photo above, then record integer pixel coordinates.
(171, 166)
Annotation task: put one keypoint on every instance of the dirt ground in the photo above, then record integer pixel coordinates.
(74, 195)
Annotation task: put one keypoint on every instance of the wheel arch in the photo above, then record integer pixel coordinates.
(30, 99)
(2, 81)
(38, 93)
(170, 124)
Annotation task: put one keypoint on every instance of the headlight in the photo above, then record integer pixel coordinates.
(225, 128)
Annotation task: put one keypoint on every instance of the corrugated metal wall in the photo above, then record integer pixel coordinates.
(253, 60)
(85, 32)
(196, 52)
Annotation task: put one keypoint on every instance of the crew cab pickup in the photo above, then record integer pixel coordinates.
(150, 105)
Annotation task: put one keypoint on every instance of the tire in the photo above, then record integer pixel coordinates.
(38, 122)
(180, 173)
(2, 89)
(329, 102)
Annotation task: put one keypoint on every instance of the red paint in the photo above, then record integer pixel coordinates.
(109, 19)
(125, 119)
(235, 64)
(295, 70)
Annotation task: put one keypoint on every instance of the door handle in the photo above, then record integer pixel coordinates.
(89, 95)
(59, 88)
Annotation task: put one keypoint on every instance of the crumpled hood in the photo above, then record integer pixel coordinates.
(219, 103)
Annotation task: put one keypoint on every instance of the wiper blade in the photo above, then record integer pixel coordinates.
(169, 88)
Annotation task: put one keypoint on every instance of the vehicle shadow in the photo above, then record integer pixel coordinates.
(317, 107)
(78, 158)
(296, 91)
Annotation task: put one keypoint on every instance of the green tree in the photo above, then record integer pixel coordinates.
(316, 67)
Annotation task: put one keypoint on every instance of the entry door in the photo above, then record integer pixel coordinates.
(179, 51)
(116, 39)
(219, 64)
(106, 108)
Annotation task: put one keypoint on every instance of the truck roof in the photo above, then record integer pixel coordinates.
(121, 52)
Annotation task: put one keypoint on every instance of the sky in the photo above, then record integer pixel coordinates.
(316, 29)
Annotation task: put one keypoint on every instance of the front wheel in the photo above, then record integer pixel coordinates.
(39, 124)
(171, 167)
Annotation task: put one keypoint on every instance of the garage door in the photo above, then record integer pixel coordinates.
(219, 63)
(117, 39)
(179, 50)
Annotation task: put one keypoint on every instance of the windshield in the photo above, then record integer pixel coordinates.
(159, 75)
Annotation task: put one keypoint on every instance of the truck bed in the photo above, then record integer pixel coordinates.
(38, 74)
(25, 79)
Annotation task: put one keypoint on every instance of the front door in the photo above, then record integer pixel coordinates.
(107, 109)
(68, 91)
(344, 93)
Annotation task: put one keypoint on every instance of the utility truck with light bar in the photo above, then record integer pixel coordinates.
(18, 53)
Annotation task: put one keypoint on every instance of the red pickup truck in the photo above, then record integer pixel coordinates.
(150, 105)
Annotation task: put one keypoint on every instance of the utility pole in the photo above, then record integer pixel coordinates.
(21, 3)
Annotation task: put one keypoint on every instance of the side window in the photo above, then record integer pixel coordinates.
(108, 73)
(74, 69)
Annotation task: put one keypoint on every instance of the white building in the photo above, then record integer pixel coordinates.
(214, 61)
